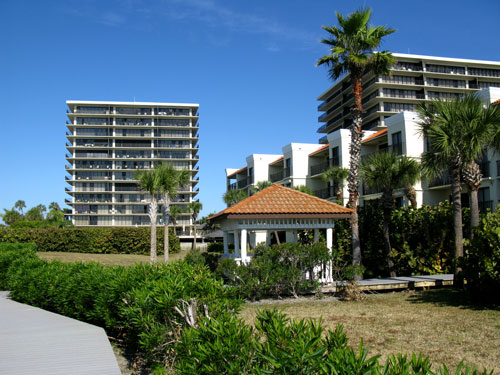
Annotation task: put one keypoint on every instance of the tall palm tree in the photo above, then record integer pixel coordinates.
(170, 181)
(149, 181)
(234, 196)
(338, 175)
(456, 138)
(19, 205)
(387, 171)
(261, 185)
(194, 207)
(352, 47)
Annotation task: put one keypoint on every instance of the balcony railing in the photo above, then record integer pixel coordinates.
(369, 190)
(485, 206)
(276, 176)
(484, 167)
(323, 193)
(395, 148)
(320, 168)
(244, 182)
(445, 179)
(287, 172)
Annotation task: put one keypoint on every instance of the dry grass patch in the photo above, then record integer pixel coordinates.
(438, 323)
(105, 259)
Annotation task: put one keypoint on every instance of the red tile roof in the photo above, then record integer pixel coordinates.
(496, 101)
(279, 201)
(238, 171)
(277, 160)
(320, 149)
(376, 135)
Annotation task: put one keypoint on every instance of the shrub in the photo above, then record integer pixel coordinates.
(481, 263)
(120, 240)
(136, 303)
(217, 247)
(277, 270)
(279, 345)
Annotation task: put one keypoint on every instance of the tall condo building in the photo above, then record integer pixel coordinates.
(413, 79)
(108, 142)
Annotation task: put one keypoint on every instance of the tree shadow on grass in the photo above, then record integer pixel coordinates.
(450, 297)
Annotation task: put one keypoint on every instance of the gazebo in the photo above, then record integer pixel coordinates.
(276, 208)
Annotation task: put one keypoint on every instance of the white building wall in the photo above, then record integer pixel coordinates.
(299, 155)
(260, 165)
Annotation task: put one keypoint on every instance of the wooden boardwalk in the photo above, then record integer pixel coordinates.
(398, 283)
(35, 341)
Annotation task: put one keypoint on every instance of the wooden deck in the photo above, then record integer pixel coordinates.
(397, 283)
(35, 341)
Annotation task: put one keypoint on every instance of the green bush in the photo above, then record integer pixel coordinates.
(277, 270)
(216, 247)
(135, 303)
(99, 240)
(481, 263)
(279, 345)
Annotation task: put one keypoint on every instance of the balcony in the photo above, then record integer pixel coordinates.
(92, 110)
(244, 182)
(485, 206)
(445, 179)
(369, 190)
(323, 193)
(274, 177)
(484, 167)
(395, 148)
(287, 172)
(319, 168)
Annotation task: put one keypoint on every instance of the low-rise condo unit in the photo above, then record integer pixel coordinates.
(108, 142)
(412, 80)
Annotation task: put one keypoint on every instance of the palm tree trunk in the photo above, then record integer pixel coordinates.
(153, 209)
(388, 203)
(193, 246)
(456, 189)
(354, 162)
(472, 176)
(340, 194)
(474, 208)
(166, 204)
(411, 195)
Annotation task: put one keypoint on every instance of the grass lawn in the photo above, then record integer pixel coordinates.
(438, 323)
(105, 259)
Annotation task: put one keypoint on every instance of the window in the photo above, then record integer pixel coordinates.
(483, 197)
(335, 157)
(397, 144)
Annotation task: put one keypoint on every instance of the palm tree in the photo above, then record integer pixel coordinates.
(352, 46)
(175, 211)
(170, 181)
(338, 175)
(234, 196)
(149, 181)
(19, 205)
(387, 171)
(457, 134)
(194, 207)
(261, 185)
(54, 206)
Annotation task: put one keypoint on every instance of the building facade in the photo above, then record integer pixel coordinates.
(108, 142)
(412, 80)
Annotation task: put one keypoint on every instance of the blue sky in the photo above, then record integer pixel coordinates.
(249, 64)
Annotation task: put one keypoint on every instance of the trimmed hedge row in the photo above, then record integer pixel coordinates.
(134, 303)
(97, 240)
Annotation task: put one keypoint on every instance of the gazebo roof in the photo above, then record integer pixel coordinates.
(278, 201)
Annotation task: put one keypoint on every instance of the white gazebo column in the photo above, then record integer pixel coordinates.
(243, 245)
(226, 247)
(316, 235)
(329, 245)
(236, 244)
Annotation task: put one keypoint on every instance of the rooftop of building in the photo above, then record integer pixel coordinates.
(135, 104)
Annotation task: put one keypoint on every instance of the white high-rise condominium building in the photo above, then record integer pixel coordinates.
(108, 142)
(413, 79)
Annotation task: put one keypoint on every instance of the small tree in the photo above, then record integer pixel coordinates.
(231, 197)
(195, 208)
(304, 189)
(175, 211)
(19, 205)
(170, 180)
(36, 213)
(261, 185)
(387, 171)
(338, 175)
(149, 181)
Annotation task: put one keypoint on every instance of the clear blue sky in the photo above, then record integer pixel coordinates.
(249, 64)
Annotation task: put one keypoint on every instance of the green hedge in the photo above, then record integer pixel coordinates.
(97, 240)
(422, 240)
(134, 303)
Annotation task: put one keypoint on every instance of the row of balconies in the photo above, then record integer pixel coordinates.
(108, 110)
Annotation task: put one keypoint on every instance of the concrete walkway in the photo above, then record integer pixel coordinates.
(35, 341)
(402, 282)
